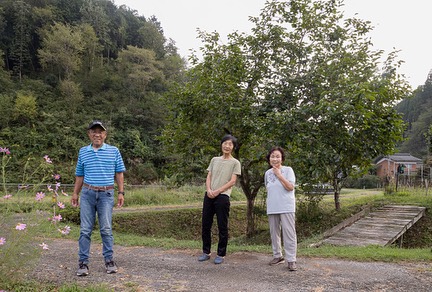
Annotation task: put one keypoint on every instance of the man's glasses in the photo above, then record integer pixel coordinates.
(96, 132)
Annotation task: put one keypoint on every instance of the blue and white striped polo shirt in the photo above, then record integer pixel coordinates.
(99, 167)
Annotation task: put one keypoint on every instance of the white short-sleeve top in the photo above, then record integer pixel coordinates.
(279, 199)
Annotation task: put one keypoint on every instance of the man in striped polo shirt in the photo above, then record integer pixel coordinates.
(99, 166)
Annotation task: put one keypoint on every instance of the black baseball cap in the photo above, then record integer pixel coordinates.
(96, 123)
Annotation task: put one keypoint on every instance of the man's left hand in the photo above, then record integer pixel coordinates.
(120, 200)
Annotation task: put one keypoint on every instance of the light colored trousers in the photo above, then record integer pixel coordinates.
(286, 223)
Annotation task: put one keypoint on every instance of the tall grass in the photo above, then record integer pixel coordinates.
(156, 195)
(22, 248)
(18, 250)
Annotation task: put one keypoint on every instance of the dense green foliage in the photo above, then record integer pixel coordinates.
(67, 62)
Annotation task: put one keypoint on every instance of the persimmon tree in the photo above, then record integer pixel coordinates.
(306, 79)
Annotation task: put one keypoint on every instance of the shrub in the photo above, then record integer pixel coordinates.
(364, 182)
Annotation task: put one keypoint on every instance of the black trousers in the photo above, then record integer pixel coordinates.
(221, 207)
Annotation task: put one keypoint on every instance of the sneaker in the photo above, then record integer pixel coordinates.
(292, 266)
(218, 260)
(111, 267)
(203, 257)
(83, 269)
(276, 261)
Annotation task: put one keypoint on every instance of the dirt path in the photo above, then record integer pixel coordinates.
(151, 269)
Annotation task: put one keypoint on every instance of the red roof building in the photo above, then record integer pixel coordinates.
(388, 166)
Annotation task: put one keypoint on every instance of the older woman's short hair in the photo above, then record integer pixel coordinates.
(229, 137)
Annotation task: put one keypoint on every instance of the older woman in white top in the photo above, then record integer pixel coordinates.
(279, 181)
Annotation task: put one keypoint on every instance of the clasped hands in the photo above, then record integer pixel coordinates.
(212, 194)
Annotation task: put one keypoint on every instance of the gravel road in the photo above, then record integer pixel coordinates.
(152, 269)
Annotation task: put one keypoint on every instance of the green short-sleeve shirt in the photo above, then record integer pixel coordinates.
(222, 171)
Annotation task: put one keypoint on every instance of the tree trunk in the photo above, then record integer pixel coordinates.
(250, 190)
(250, 196)
(336, 194)
(250, 229)
(337, 200)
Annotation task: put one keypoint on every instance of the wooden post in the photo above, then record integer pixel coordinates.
(397, 180)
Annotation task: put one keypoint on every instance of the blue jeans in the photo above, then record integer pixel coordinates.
(92, 202)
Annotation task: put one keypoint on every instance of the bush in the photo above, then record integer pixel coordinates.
(364, 182)
(71, 214)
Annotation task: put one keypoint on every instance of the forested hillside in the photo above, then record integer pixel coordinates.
(66, 62)
(417, 114)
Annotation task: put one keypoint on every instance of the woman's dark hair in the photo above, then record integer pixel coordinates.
(277, 148)
(229, 137)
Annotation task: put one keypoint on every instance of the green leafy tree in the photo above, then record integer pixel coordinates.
(92, 50)
(69, 11)
(306, 79)
(151, 37)
(93, 13)
(5, 80)
(19, 52)
(140, 67)
(2, 21)
(62, 47)
(335, 108)
(128, 23)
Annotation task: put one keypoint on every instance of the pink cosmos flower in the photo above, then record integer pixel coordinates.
(64, 193)
(7, 196)
(57, 176)
(65, 230)
(56, 218)
(40, 196)
(47, 159)
(2, 240)
(5, 151)
(49, 188)
(21, 226)
(57, 186)
(60, 205)
(44, 245)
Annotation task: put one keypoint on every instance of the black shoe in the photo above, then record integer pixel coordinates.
(83, 269)
(111, 267)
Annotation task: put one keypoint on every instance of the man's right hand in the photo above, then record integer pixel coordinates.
(75, 200)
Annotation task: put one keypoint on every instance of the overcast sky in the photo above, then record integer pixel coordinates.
(399, 24)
